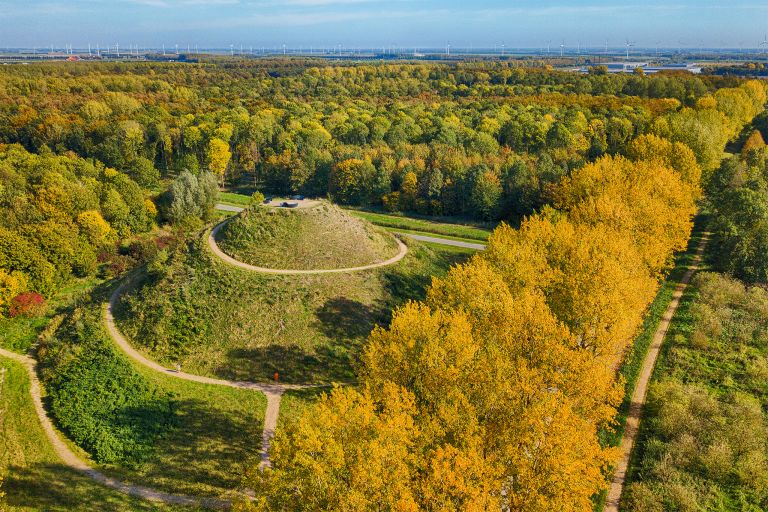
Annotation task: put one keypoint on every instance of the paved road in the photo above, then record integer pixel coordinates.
(421, 238)
(641, 388)
(445, 241)
(73, 461)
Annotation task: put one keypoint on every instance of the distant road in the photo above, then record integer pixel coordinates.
(444, 241)
(420, 238)
(229, 208)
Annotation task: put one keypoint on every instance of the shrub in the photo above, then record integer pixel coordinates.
(97, 397)
(27, 304)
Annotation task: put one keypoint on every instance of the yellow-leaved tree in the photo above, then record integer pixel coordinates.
(218, 155)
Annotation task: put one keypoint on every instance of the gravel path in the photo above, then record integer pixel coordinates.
(635, 413)
(445, 241)
(73, 461)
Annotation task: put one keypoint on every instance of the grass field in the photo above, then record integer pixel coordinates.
(316, 237)
(234, 199)
(35, 479)
(225, 322)
(425, 226)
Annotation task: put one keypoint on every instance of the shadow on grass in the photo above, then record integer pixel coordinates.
(205, 453)
(56, 487)
(334, 362)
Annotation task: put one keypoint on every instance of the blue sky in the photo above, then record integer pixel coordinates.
(404, 23)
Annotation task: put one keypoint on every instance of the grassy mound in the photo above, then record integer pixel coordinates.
(317, 237)
(221, 321)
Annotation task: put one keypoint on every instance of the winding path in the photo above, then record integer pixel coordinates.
(632, 425)
(273, 392)
(73, 461)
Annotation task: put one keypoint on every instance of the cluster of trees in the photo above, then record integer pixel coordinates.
(60, 216)
(478, 139)
(738, 199)
(491, 393)
(704, 446)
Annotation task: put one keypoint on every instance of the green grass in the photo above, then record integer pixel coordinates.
(630, 369)
(217, 436)
(316, 237)
(226, 322)
(20, 333)
(34, 477)
(421, 225)
(424, 233)
(294, 402)
(234, 199)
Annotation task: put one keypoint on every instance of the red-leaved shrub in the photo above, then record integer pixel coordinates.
(27, 304)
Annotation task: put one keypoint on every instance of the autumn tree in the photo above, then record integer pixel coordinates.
(217, 155)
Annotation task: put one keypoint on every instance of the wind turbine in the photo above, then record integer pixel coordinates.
(629, 44)
(549, 42)
(562, 48)
(764, 43)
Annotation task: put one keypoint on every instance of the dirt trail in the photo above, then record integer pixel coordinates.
(73, 461)
(634, 415)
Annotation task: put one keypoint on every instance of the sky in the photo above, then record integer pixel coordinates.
(380, 23)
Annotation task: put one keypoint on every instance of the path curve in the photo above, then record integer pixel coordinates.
(273, 392)
(73, 461)
(632, 425)
(403, 250)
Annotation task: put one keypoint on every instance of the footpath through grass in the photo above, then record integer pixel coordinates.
(630, 369)
(34, 477)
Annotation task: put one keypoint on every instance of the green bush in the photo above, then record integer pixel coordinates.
(97, 398)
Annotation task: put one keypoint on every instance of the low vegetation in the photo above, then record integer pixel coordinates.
(306, 238)
(703, 443)
(142, 426)
(34, 477)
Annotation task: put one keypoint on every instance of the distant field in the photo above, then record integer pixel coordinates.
(35, 478)
(235, 199)
(456, 231)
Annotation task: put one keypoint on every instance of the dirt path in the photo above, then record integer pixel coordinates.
(403, 250)
(273, 392)
(634, 415)
(73, 461)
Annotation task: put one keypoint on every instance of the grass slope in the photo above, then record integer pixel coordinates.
(35, 478)
(225, 322)
(317, 237)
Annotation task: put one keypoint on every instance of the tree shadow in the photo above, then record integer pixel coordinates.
(207, 451)
(55, 487)
(334, 362)
(342, 318)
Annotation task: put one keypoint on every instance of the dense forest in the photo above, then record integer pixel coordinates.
(492, 392)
